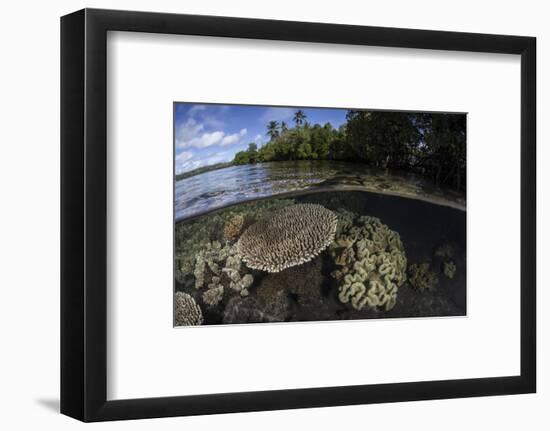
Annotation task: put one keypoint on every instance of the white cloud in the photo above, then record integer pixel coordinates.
(191, 135)
(258, 139)
(195, 108)
(212, 122)
(205, 140)
(203, 113)
(234, 138)
(183, 157)
(187, 131)
(278, 114)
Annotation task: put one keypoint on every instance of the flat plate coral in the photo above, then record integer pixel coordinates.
(288, 237)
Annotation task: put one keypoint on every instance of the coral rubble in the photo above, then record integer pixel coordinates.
(288, 237)
(187, 312)
(247, 310)
(372, 263)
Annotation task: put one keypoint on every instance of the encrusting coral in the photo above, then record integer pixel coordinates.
(421, 277)
(372, 262)
(188, 312)
(233, 226)
(288, 237)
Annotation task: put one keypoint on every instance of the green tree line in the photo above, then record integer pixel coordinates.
(432, 145)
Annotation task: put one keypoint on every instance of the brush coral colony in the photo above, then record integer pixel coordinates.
(279, 260)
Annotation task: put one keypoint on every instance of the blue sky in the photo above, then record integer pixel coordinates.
(208, 134)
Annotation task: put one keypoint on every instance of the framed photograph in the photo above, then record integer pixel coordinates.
(262, 215)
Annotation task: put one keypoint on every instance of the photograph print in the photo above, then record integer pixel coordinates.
(295, 214)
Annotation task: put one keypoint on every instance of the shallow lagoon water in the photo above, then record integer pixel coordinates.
(216, 189)
(423, 226)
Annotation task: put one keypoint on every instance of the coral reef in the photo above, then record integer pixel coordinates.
(288, 237)
(449, 268)
(188, 313)
(193, 236)
(421, 277)
(372, 263)
(233, 226)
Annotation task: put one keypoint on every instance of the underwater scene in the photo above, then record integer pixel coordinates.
(332, 214)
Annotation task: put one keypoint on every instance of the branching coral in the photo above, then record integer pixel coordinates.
(421, 277)
(372, 263)
(288, 237)
(213, 295)
(223, 266)
(241, 285)
(187, 311)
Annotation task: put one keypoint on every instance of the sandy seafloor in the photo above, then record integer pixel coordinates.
(309, 292)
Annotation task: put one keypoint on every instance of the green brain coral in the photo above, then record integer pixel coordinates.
(372, 263)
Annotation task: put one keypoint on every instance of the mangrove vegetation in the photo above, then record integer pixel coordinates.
(428, 144)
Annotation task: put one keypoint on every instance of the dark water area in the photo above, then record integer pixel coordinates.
(431, 234)
(205, 192)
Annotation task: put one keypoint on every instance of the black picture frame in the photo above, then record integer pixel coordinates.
(84, 214)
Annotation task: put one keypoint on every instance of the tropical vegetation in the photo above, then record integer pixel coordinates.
(429, 144)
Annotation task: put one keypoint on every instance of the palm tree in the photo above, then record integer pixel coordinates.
(273, 129)
(284, 127)
(299, 117)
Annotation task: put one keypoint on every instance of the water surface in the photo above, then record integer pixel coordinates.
(216, 189)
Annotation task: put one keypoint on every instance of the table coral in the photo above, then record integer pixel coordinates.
(288, 237)
(187, 311)
(191, 237)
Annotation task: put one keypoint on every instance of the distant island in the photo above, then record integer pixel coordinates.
(429, 144)
(203, 169)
